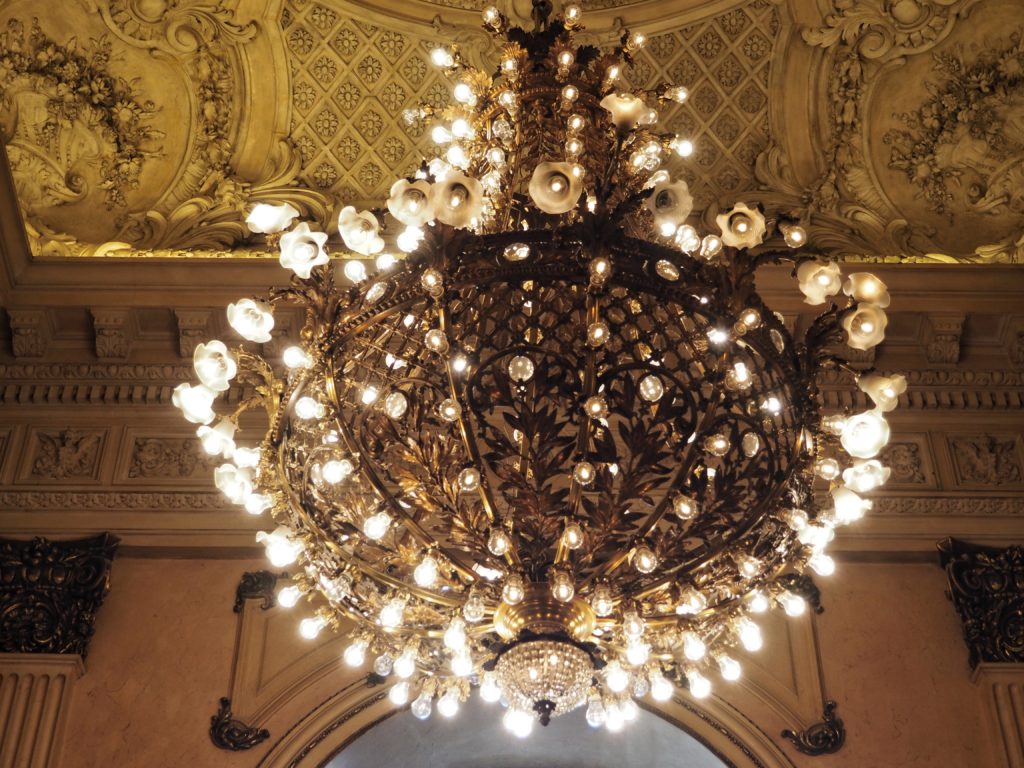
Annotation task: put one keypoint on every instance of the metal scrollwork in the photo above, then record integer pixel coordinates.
(986, 585)
(50, 592)
(228, 733)
(823, 738)
(802, 584)
(257, 585)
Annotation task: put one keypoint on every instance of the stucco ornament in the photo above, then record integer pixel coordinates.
(360, 230)
(459, 200)
(302, 249)
(411, 202)
(554, 188)
(742, 226)
(865, 326)
(863, 286)
(267, 219)
(195, 402)
(670, 203)
(819, 280)
(884, 391)
(214, 365)
(252, 320)
(626, 110)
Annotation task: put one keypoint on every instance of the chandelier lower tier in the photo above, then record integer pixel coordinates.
(560, 449)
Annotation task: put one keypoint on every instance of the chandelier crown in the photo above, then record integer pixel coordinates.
(559, 447)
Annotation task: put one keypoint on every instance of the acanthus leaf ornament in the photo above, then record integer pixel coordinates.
(549, 344)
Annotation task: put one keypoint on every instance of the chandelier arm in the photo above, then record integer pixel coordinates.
(512, 555)
(424, 538)
(583, 435)
(297, 505)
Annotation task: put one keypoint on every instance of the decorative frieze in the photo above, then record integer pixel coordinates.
(985, 587)
(169, 457)
(112, 501)
(50, 592)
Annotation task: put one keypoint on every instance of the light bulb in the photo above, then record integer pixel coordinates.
(572, 535)
(758, 602)
(749, 567)
(422, 705)
(462, 663)
(296, 357)
(355, 270)
(376, 526)
(596, 407)
(632, 625)
(490, 691)
(794, 235)
(595, 712)
(405, 664)
(613, 721)
(794, 605)
(865, 434)
(601, 601)
(310, 628)
(448, 705)
(822, 564)
(391, 613)
(449, 409)
(355, 654)
(382, 664)
(827, 469)
(661, 688)
(395, 405)
(685, 508)
(308, 408)
(565, 59)
(616, 677)
(399, 693)
(700, 686)
(442, 57)
(729, 667)
(463, 93)
(630, 711)
(218, 439)
(436, 341)
(455, 635)
(849, 506)
(474, 608)
(562, 588)
(289, 596)
(570, 93)
(336, 470)
(498, 542)
(693, 647)
(750, 634)
(637, 653)
(518, 723)
(514, 590)
(469, 479)
(520, 368)
(644, 559)
(584, 473)
(425, 574)
(258, 503)
(597, 333)
(651, 388)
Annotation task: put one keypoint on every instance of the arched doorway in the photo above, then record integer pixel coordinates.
(476, 737)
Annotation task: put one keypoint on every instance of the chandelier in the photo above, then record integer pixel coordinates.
(550, 443)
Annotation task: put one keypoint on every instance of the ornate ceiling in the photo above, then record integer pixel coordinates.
(137, 127)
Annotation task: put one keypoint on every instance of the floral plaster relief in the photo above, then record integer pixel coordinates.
(950, 157)
(79, 114)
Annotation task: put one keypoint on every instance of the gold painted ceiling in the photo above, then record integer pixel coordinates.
(895, 128)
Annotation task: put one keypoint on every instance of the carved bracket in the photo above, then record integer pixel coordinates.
(257, 585)
(30, 332)
(50, 592)
(228, 733)
(942, 338)
(192, 325)
(985, 587)
(822, 738)
(114, 333)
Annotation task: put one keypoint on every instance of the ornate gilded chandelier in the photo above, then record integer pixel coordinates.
(560, 449)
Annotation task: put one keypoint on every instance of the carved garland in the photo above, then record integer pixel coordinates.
(51, 591)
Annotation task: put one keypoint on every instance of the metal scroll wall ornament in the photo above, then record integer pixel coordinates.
(552, 443)
(257, 585)
(822, 738)
(986, 585)
(51, 591)
(228, 733)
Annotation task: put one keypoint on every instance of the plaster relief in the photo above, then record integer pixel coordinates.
(169, 457)
(910, 462)
(66, 455)
(987, 459)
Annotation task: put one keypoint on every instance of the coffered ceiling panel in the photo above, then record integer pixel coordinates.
(148, 127)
